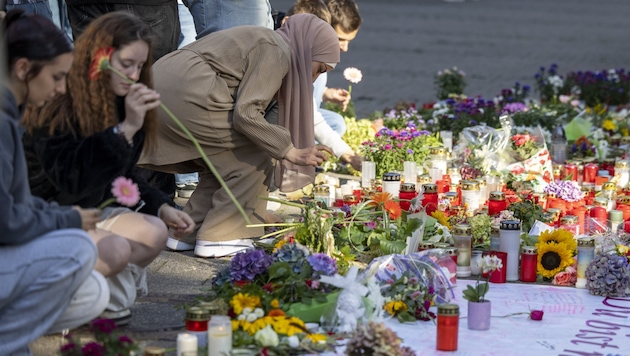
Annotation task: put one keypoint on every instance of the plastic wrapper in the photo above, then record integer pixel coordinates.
(536, 171)
(431, 267)
(484, 147)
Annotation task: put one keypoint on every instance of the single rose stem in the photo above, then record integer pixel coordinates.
(205, 158)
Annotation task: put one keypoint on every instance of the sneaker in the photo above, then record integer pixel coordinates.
(186, 190)
(222, 248)
(177, 245)
(120, 318)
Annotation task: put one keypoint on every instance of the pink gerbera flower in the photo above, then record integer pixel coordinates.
(125, 191)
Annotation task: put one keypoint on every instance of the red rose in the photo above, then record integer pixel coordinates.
(536, 314)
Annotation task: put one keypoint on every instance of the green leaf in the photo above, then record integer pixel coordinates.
(391, 247)
(279, 270)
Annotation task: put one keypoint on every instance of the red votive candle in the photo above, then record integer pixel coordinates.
(599, 216)
(430, 201)
(590, 172)
(407, 192)
(496, 203)
(529, 261)
(570, 170)
(500, 275)
(447, 327)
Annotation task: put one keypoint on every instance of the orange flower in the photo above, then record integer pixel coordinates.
(393, 208)
(276, 312)
(100, 61)
(380, 198)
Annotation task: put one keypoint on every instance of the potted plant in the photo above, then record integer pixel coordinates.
(478, 307)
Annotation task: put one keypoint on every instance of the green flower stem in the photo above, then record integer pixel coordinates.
(106, 203)
(205, 158)
(278, 232)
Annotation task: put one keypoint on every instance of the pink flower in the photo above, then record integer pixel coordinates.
(353, 75)
(568, 277)
(125, 191)
(536, 314)
(564, 98)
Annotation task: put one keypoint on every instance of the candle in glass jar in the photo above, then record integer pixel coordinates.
(510, 242)
(430, 200)
(197, 324)
(497, 203)
(462, 235)
(590, 172)
(447, 327)
(219, 335)
(586, 253)
(186, 344)
(529, 261)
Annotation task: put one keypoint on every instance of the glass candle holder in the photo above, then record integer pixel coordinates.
(410, 171)
(483, 192)
(586, 253)
(438, 159)
(197, 324)
(496, 203)
(590, 172)
(321, 193)
(622, 172)
(447, 327)
(495, 237)
(570, 223)
(470, 196)
(447, 139)
(430, 199)
(615, 218)
(368, 172)
(529, 262)
(187, 344)
(407, 193)
(510, 243)
(219, 335)
(462, 238)
(475, 262)
(391, 183)
(453, 173)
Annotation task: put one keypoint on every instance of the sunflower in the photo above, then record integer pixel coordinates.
(559, 236)
(441, 218)
(378, 199)
(241, 301)
(553, 258)
(394, 209)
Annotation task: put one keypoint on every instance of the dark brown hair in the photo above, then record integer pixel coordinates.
(314, 7)
(89, 104)
(345, 15)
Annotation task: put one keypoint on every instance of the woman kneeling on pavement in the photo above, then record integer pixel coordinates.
(222, 87)
(79, 143)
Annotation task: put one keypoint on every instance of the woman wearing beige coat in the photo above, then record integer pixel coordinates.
(220, 87)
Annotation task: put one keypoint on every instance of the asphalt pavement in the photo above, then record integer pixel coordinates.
(399, 48)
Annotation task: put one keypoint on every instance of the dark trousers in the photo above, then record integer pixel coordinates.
(163, 20)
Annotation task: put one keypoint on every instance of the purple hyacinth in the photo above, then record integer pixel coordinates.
(245, 266)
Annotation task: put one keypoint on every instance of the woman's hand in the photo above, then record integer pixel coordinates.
(310, 156)
(339, 96)
(139, 100)
(178, 221)
(354, 159)
(89, 217)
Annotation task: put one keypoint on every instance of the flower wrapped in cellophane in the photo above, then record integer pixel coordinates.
(411, 284)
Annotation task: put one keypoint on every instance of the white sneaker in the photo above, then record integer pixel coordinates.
(222, 248)
(120, 318)
(177, 245)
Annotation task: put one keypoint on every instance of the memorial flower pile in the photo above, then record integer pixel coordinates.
(107, 341)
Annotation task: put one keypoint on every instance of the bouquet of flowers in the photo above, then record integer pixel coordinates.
(582, 148)
(448, 82)
(567, 190)
(376, 339)
(390, 148)
(407, 299)
(108, 341)
(524, 145)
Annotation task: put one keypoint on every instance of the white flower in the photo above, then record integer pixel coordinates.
(293, 342)
(491, 263)
(246, 310)
(266, 337)
(353, 75)
(241, 317)
(259, 312)
(251, 317)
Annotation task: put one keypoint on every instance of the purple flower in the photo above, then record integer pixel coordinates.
(93, 349)
(67, 347)
(103, 325)
(371, 224)
(514, 107)
(410, 151)
(124, 339)
(245, 266)
(322, 264)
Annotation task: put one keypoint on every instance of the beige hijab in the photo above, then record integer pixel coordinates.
(310, 39)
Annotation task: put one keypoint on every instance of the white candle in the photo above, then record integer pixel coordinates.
(186, 344)
(219, 336)
(368, 172)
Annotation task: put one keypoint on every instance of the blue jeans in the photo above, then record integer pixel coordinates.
(216, 15)
(186, 178)
(40, 8)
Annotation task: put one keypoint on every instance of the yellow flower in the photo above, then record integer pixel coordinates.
(441, 218)
(558, 236)
(609, 125)
(315, 338)
(623, 250)
(394, 307)
(242, 301)
(252, 328)
(279, 245)
(275, 303)
(553, 258)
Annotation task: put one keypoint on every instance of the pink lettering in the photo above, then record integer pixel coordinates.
(595, 332)
(581, 353)
(621, 300)
(603, 346)
(613, 313)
